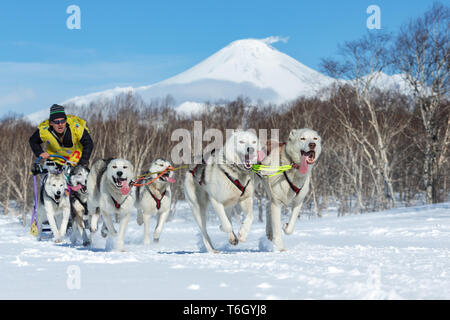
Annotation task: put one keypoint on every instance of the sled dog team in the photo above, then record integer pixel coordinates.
(224, 178)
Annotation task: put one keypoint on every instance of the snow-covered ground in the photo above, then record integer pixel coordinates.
(396, 254)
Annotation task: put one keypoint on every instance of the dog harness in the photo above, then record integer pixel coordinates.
(237, 183)
(201, 177)
(117, 204)
(293, 186)
(158, 201)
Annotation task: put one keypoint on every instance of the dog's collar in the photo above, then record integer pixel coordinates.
(294, 165)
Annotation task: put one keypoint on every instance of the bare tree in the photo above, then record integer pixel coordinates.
(421, 54)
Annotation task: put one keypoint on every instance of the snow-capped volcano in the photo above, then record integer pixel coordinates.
(254, 62)
(251, 68)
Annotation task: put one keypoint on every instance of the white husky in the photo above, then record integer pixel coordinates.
(78, 202)
(110, 193)
(290, 188)
(54, 205)
(155, 198)
(225, 179)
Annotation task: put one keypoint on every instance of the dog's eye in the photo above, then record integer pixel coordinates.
(303, 139)
(79, 174)
(254, 142)
(315, 138)
(241, 141)
(54, 185)
(125, 167)
(114, 167)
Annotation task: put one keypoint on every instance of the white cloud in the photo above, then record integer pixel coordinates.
(275, 39)
(16, 96)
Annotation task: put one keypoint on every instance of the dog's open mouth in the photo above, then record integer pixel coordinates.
(80, 187)
(310, 156)
(122, 184)
(247, 162)
(57, 197)
(119, 181)
(166, 178)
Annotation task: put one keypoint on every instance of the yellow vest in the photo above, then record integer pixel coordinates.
(77, 127)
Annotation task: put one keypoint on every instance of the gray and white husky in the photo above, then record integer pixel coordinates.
(78, 202)
(109, 194)
(302, 150)
(224, 179)
(54, 205)
(155, 198)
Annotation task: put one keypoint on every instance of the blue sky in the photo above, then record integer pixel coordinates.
(133, 43)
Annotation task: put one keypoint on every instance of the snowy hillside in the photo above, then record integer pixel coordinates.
(397, 254)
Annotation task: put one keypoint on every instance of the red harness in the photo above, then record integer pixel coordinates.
(116, 204)
(237, 183)
(158, 201)
(193, 174)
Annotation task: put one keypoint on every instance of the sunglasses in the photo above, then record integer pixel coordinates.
(59, 121)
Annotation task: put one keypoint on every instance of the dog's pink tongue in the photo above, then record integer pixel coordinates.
(171, 180)
(76, 188)
(125, 188)
(260, 155)
(303, 165)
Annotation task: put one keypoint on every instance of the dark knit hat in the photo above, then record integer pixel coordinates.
(56, 112)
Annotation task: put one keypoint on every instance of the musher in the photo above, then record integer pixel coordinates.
(64, 135)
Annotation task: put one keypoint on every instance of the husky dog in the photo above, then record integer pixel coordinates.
(78, 201)
(51, 166)
(224, 179)
(155, 198)
(54, 205)
(290, 188)
(110, 193)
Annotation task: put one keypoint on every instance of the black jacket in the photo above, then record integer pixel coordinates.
(86, 142)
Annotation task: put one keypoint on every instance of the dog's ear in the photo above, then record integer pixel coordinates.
(293, 134)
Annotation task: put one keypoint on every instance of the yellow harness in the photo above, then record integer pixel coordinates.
(54, 147)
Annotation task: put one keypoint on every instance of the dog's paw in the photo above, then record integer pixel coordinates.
(242, 237)
(58, 240)
(233, 239)
(156, 240)
(286, 229)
